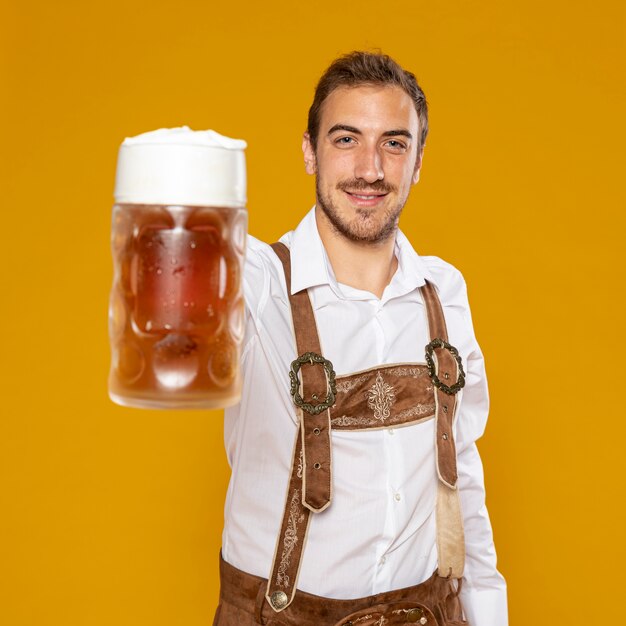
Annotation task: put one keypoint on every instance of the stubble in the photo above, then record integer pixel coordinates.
(368, 225)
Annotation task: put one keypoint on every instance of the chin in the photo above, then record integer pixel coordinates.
(365, 231)
(360, 224)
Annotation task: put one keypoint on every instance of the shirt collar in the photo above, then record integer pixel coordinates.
(310, 266)
(309, 262)
(412, 271)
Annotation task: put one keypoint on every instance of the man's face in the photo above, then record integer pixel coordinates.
(366, 159)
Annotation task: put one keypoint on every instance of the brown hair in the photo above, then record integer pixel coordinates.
(367, 68)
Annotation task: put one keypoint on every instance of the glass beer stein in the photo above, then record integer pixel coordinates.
(178, 243)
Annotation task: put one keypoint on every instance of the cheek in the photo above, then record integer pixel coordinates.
(408, 173)
(396, 165)
(335, 166)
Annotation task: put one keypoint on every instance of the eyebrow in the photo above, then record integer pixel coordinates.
(350, 129)
(400, 131)
(389, 133)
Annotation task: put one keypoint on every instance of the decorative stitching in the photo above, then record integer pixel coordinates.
(418, 409)
(300, 464)
(346, 420)
(381, 397)
(344, 386)
(347, 384)
(290, 540)
(412, 372)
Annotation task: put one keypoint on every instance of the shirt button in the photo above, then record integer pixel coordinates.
(391, 431)
(383, 560)
(397, 497)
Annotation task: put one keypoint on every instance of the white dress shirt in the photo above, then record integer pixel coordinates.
(379, 532)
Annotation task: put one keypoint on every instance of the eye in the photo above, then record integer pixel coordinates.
(345, 141)
(396, 145)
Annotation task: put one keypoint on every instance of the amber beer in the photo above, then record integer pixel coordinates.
(176, 313)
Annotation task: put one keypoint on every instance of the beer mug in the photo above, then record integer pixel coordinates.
(178, 243)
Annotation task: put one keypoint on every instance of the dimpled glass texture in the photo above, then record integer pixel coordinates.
(176, 308)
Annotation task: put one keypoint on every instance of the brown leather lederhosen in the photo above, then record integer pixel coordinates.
(381, 397)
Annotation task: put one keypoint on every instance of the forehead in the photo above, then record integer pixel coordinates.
(369, 107)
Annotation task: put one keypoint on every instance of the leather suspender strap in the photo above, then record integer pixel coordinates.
(315, 427)
(446, 370)
(310, 483)
(448, 378)
(281, 585)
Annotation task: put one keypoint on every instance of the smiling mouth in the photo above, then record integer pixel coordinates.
(365, 200)
(365, 196)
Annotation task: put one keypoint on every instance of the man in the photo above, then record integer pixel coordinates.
(357, 493)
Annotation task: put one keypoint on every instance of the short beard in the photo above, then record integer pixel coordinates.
(358, 229)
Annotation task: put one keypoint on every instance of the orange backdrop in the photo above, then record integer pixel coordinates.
(112, 515)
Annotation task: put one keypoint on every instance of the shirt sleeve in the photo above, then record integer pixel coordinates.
(483, 593)
(255, 286)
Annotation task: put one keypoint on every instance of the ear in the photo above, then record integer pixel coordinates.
(310, 162)
(418, 166)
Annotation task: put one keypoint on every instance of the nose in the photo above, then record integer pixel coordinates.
(368, 165)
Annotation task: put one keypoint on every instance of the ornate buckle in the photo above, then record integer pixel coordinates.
(451, 390)
(313, 358)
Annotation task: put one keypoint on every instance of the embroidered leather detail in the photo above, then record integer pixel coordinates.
(420, 410)
(290, 539)
(413, 372)
(381, 398)
(348, 384)
(345, 420)
(414, 615)
(412, 392)
(300, 464)
(391, 395)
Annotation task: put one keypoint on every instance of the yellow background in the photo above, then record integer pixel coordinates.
(112, 516)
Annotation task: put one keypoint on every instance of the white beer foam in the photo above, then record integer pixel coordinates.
(181, 166)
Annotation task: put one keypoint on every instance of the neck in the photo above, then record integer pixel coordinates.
(362, 265)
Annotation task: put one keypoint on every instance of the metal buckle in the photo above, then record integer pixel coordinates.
(451, 390)
(313, 358)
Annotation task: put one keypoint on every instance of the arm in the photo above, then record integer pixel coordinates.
(483, 594)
